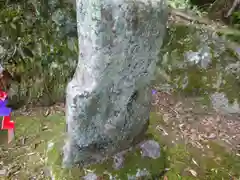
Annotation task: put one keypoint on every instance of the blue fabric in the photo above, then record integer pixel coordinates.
(4, 111)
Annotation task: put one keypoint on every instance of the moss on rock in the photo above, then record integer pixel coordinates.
(133, 162)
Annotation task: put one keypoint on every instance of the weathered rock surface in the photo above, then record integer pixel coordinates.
(109, 97)
(150, 149)
(221, 103)
(118, 160)
(90, 176)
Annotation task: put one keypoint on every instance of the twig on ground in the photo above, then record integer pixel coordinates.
(234, 5)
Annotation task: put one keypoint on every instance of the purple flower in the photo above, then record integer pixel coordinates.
(154, 92)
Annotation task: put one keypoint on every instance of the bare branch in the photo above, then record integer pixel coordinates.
(234, 5)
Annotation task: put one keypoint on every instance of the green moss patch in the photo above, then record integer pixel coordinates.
(24, 158)
(133, 162)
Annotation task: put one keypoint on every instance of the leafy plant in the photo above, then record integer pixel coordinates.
(236, 19)
(38, 39)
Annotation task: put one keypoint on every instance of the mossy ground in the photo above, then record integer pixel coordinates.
(212, 163)
(27, 157)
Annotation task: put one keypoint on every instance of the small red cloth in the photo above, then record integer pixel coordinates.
(3, 95)
(7, 123)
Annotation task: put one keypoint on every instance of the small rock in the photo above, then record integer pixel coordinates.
(142, 173)
(221, 103)
(150, 149)
(90, 176)
(46, 172)
(118, 161)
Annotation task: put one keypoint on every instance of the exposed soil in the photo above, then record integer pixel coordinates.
(197, 123)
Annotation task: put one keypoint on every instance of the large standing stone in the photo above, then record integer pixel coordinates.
(109, 97)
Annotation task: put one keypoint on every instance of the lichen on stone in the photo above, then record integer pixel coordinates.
(109, 98)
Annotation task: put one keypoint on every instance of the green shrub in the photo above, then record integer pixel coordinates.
(38, 40)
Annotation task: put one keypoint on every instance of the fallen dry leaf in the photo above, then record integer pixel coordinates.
(194, 173)
(194, 162)
(47, 113)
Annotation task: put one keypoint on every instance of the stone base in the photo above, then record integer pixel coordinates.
(133, 166)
